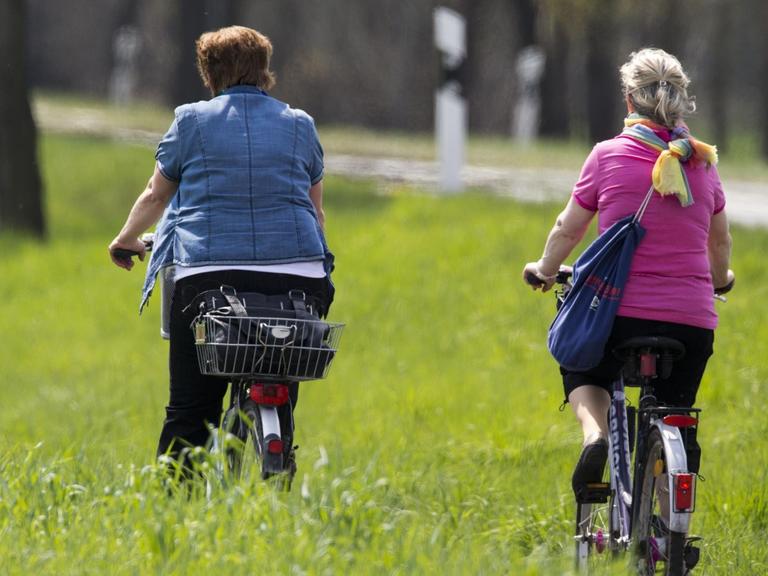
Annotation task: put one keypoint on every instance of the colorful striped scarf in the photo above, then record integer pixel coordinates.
(668, 174)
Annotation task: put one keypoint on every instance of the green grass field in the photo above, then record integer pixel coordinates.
(435, 446)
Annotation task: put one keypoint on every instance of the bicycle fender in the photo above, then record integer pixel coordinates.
(677, 462)
(270, 426)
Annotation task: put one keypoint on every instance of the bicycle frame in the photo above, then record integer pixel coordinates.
(620, 464)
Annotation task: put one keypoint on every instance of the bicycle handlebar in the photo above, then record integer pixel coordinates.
(566, 272)
(562, 277)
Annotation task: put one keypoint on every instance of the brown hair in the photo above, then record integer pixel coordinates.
(232, 56)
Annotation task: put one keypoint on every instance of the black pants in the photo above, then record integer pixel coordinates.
(196, 399)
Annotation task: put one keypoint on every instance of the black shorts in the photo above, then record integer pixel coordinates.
(683, 383)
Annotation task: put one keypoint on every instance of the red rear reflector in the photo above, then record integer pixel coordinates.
(269, 394)
(680, 420)
(275, 446)
(648, 365)
(685, 488)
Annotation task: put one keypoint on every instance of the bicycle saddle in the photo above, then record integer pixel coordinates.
(666, 349)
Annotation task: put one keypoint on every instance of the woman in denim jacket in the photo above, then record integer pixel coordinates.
(238, 190)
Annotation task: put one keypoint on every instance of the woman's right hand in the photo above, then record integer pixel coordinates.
(533, 276)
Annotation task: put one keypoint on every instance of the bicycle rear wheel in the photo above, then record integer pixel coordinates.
(245, 447)
(659, 550)
(261, 451)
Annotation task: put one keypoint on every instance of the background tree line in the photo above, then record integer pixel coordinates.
(373, 64)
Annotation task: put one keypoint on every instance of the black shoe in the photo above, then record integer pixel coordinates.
(589, 468)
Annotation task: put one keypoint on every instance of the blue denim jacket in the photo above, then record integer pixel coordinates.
(244, 162)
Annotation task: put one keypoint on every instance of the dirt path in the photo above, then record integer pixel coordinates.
(747, 201)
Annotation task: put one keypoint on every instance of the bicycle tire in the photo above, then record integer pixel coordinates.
(653, 544)
(243, 446)
(252, 456)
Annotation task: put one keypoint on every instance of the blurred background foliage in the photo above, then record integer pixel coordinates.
(372, 64)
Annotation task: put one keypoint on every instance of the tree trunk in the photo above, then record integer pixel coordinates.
(601, 77)
(555, 120)
(188, 86)
(719, 74)
(20, 185)
(527, 15)
(196, 17)
(763, 80)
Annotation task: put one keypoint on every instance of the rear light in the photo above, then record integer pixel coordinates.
(270, 394)
(680, 420)
(684, 486)
(648, 365)
(275, 446)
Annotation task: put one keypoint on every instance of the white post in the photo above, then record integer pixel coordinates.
(525, 119)
(450, 104)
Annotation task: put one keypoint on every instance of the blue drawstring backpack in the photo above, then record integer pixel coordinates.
(583, 323)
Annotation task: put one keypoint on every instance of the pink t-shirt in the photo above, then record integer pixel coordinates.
(669, 279)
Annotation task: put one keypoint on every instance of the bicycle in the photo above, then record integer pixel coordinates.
(263, 358)
(263, 362)
(648, 512)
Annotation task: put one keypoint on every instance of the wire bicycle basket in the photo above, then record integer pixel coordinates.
(290, 348)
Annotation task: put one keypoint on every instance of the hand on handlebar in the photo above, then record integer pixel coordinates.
(730, 281)
(535, 279)
(122, 252)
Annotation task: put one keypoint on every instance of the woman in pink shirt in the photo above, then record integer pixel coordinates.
(684, 255)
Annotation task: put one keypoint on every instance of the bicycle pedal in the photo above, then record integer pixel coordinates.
(594, 493)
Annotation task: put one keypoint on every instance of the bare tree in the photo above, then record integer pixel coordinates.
(20, 185)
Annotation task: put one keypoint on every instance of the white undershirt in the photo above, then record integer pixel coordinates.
(313, 269)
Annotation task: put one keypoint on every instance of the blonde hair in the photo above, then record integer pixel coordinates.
(657, 86)
(232, 56)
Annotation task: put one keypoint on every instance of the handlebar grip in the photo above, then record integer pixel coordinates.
(533, 280)
(123, 254)
(725, 289)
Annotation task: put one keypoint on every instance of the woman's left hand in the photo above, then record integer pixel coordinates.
(134, 245)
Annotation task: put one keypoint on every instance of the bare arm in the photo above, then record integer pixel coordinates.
(719, 247)
(569, 229)
(146, 211)
(316, 195)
